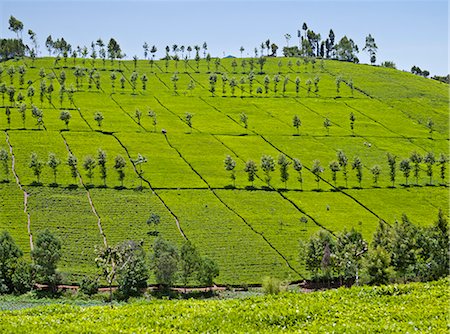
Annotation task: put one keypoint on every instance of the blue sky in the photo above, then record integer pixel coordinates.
(406, 32)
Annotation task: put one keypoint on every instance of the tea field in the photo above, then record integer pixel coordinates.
(252, 229)
(387, 309)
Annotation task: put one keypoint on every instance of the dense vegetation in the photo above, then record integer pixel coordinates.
(242, 157)
(414, 307)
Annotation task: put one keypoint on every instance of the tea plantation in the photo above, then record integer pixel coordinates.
(185, 118)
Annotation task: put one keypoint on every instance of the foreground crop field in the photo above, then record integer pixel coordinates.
(252, 229)
(416, 307)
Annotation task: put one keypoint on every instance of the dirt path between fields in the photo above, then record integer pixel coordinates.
(88, 193)
(25, 194)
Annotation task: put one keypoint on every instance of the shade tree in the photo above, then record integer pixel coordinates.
(267, 166)
(53, 162)
(251, 168)
(230, 165)
(298, 167)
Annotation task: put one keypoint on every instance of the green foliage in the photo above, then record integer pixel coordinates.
(89, 285)
(36, 165)
(207, 271)
(267, 166)
(189, 262)
(46, 255)
(164, 262)
(9, 254)
(273, 285)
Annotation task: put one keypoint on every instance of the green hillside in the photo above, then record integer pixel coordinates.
(250, 231)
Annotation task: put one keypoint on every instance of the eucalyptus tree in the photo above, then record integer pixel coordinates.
(297, 85)
(316, 84)
(65, 116)
(429, 160)
(276, 80)
(191, 86)
(3, 90)
(241, 85)
(261, 61)
(338, 84)
(119, 165)
(138, 163)
(8, 116)
(234, 65)
(371, 48)
(188, 118)
(327, 124)
(197, 61)
(21, 70)
(217, 63)
(101, 160)
(317, 170)
(358, 166)
(10, 71)
(122, 82)
(298, 167)
(287, 37)
(243, 65)
(392, 162)
(11, 92)
(251, 78)
(266, 84)
(50, 90)
(241, 50)
(297, 123)
(251, 169)
(308, 86)
(212, 83)
(38, 115)
(416, 159)
(53, 162)
(267, 166)
(189, 50)
(224, 83)
(352, 87)
(285, 82)
(22, 111)
(343, 162)
(405, 168)
(72, 162)
(352, 123)
(98, 117)
(443, 161)
(16, 26)
(138, 115)
(376, 171)
(4, 160)
(208, 62)
(230, 165)
(146, 48)
(284, 163)
(36, 166)
(334, 167)
(133, 79)
(280, 65)
(233, 84)
(152, 115)
(244, 119)
(174, 78)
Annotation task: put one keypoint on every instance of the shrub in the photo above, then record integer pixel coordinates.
(273, 285)
(89, 286)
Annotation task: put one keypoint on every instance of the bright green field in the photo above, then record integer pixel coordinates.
(250, 232)
(416, 307)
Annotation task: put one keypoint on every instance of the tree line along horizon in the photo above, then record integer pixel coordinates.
(268, 164)
(310, 44)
